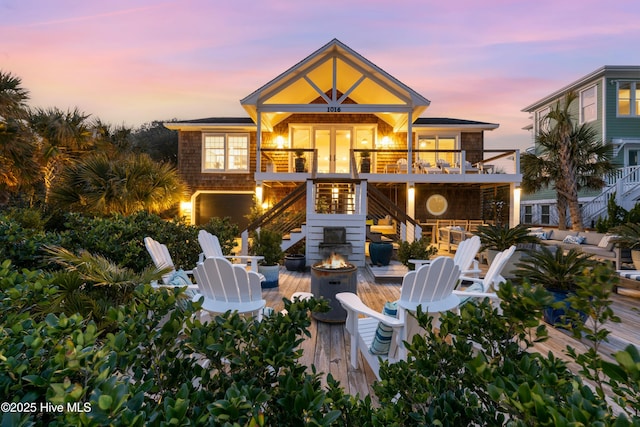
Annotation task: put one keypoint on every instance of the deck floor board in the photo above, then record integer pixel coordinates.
(328, 348)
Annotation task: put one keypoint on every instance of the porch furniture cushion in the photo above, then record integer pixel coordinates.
(576, 240)
(607, 241)
(179, 278)
(382, 339)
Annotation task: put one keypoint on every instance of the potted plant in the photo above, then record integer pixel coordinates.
(300, 161)
(295, 258)
(418, 249)
(365, 161)
(558, 272)
(497, 238)
(628, 236)
(267, 243)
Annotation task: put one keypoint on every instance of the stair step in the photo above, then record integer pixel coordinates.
(296, 230)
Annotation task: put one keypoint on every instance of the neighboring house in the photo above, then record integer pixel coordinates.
(336, 141)
(609, 100)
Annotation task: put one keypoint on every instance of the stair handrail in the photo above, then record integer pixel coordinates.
(279, 207)
(615, 182)
(395, 212)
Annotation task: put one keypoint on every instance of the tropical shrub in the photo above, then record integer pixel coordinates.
(22, 238)
(418, 249)
(162, 365)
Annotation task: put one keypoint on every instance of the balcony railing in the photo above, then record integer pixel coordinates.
(385, 161)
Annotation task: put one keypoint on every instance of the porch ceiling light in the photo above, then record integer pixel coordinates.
(280, 142)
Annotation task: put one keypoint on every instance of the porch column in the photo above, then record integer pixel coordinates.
(258, 141)
(410, 143)
(411, 209)
(514, 205)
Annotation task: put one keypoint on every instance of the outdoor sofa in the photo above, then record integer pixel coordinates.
(600, 245)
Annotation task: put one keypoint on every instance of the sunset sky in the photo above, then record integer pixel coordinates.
(130, 62)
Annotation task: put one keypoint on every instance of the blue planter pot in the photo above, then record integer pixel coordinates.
(380, 253)
(558, 316)
(295, 262)
(271, 274)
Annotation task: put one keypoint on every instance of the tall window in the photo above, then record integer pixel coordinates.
(527, 214)
(545, 214)
(629, 99)
(588, 105)
(225, 152)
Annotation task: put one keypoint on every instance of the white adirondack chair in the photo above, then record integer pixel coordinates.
(464, 257)
(162, 259)
(211, 248)
(430, 286)
(488, 285)
(227, 286)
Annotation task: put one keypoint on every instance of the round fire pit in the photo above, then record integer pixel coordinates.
(327, 281)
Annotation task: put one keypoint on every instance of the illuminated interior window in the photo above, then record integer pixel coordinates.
(225, 152)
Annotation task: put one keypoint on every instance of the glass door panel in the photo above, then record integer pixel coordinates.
(323, 148)
(342, 147)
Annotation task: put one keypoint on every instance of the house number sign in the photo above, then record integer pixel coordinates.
(333, 109)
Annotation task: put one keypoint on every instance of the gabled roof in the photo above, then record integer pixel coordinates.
(326, 79)
(609, 71)
(247, 122)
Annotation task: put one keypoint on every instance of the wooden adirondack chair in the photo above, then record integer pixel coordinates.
(227, 286)
(211, 248)
(464, 257)
(162, 259)
(487, 286)
(430, 286)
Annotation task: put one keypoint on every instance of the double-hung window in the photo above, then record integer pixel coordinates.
(628, 99)
(528, 214)
(225, 152)
(588, 105)
(545, 214)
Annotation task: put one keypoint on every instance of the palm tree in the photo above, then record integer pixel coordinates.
(124, 184)
(62, 138)
(569, 158)
(16, 144)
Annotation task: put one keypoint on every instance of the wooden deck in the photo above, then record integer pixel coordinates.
(329, 346)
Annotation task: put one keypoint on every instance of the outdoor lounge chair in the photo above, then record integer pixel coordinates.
(162, 259)
(228, 287)
(464, 257)
(488, 285)
(430, 287)
(211, 248)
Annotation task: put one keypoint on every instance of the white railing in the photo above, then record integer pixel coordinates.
(625, 180)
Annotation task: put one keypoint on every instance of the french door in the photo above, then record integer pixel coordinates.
(333, 145)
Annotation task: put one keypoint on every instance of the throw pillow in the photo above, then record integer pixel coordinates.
(382, 340)
(179, 278)
(539, 234)
(606, 240)
(576, 240)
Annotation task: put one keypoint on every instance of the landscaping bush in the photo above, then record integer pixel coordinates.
(22, 238)
(120, 238)
(162, 365)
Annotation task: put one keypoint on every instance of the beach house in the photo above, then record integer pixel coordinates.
(335, 141)
(609, 100)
